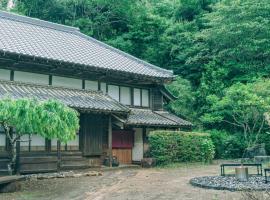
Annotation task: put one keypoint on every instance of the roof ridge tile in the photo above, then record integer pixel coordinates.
(38, 22)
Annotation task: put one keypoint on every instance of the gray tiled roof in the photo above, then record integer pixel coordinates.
(174, 118)
(148, 117)
(40, 39)
(83, 100)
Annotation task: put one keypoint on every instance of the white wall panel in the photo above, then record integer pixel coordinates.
(113, 91)
(73, 144)
(137, 97)
(2, 139)
(67, 82)
(37, 140)
(145, 98)
(31, 77)
(103, 87)
(4, 74)
(91, 85)
(54, 144)
(125, 95)
(137, 150)
(25, 141)
(37, 143)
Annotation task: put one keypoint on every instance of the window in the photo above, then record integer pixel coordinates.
(145, 98)
(137, 97)
(113, 91)
(91, 85)
(125, 95)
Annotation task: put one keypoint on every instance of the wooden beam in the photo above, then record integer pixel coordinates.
(110, 139)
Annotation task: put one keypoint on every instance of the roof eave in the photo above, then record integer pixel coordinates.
(156, 79)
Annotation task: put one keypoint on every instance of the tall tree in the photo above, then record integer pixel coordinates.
(243, 106)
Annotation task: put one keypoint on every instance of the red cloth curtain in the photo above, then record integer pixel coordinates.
(122, 139)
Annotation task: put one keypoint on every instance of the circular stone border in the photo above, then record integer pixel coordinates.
(255, 183)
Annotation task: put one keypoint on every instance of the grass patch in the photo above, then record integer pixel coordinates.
(183, 165)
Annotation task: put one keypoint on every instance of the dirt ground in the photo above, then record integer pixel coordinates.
(126, 184)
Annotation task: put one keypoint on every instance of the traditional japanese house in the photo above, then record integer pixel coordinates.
(119, 97)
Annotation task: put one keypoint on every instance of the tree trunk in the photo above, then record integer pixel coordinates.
(12, 150)
(13, 154)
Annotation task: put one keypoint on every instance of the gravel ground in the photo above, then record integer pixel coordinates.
(231, 183)
(126, 184)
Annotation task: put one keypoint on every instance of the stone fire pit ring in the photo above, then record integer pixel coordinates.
(255, 183)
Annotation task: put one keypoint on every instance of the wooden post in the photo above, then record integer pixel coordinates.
(58, 155)
(18, 158)
(110, 139)
(144, 140)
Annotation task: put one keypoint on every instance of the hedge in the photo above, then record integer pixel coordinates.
(228, 145)
(178, 146)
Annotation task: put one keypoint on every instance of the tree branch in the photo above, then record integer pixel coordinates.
(232, 123)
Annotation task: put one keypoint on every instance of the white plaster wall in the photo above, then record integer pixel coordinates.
(54, 144)
(113, 91)
(37, 140)
(2, 139)
(125, 95)
(145, 98)
(137, 150)
(91, 85)
(103, 87)
(74, 143)
(67, 82)
(137, 97)
(31, 77)
(4, 74)
(25, 138)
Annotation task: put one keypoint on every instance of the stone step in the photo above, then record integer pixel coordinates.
(82, 161)
(74, 166)
(4, 163)
(36, 171)
(3, 172)
(73, 158)
(71, 153)
(40, 159)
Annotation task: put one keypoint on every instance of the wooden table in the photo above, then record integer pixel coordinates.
(258, 165)
(267, 170)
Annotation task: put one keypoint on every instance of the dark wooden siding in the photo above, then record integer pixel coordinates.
(157, 99)
(91, 134)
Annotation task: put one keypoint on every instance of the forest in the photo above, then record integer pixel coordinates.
(219, 50)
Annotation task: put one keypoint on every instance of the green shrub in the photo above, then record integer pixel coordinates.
(219, 139)
(176, 146)
(227, 145)
(234, 146)
(265, 138)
